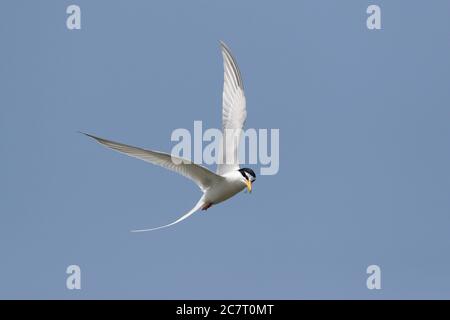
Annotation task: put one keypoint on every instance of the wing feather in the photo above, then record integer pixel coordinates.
(234, 113)
(203, 177)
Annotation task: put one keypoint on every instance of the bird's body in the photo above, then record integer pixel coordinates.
(224, 189)
(229, 178)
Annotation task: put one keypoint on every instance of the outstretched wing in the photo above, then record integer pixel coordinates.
(203, 177)
(187, 215)
(234, 113)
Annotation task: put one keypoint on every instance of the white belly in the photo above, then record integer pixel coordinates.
(223, 191)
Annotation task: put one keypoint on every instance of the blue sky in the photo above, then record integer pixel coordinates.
(364, 176)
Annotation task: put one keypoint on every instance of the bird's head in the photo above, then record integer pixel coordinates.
(248, 177)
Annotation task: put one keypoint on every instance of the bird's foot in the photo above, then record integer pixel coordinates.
(206, 206)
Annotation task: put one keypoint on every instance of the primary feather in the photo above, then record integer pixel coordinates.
(234, 113)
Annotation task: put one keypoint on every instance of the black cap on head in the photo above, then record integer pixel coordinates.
(249, 171)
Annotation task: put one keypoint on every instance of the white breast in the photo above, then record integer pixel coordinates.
(225, 189)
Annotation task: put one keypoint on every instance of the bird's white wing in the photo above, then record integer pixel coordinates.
(203, 177)
(187, 215)
(234, 113)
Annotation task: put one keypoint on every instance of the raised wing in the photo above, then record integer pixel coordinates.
(203, 177)
(234, 113)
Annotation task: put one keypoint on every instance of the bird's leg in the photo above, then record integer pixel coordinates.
(206, 206)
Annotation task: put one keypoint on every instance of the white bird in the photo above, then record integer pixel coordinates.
(229, 179)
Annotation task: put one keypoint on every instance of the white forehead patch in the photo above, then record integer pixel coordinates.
(249, 176)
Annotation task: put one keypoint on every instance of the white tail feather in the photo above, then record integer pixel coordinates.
(199, 204)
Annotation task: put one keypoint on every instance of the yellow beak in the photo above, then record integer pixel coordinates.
(249, 185)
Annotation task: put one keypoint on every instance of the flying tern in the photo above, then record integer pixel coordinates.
(229, 178)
